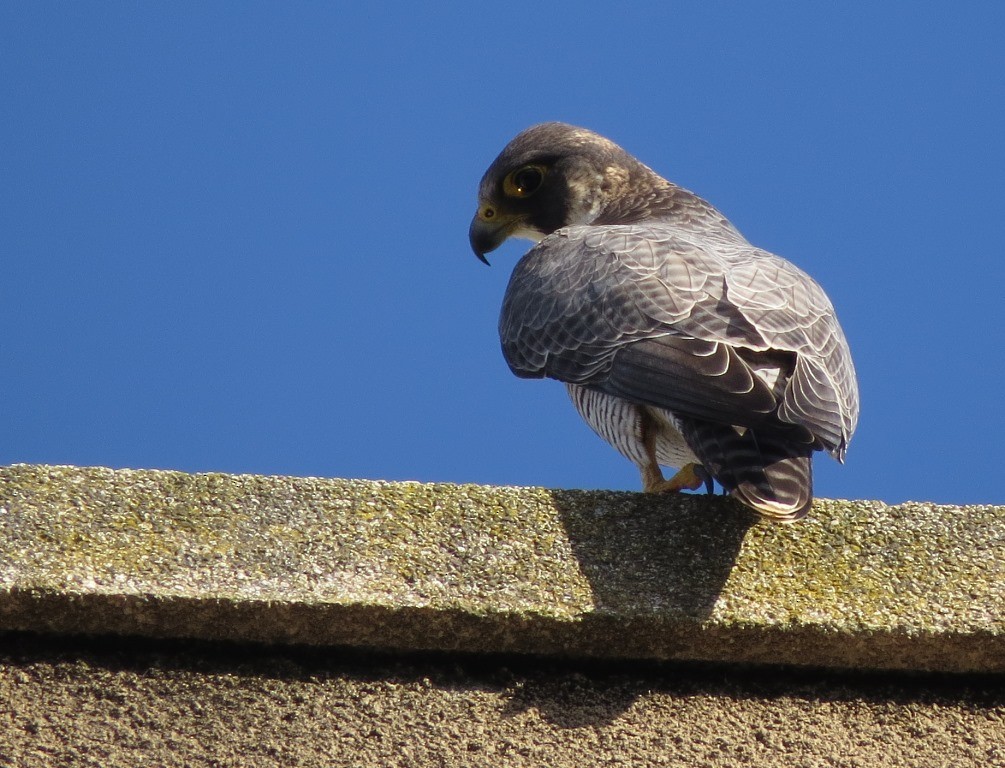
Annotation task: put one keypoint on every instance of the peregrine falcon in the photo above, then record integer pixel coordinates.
(680, 343)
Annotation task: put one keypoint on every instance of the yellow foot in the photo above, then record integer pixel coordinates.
(690, 477)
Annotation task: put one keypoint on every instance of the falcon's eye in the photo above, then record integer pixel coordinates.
(524, 182)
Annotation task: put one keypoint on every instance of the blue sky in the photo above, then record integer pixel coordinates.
(234, 238)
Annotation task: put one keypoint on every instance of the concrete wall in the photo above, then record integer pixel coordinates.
(172, 619)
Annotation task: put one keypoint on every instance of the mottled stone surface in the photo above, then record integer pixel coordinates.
(525, 570)
(105, 703)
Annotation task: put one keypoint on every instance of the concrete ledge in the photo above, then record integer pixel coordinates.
(526, 570)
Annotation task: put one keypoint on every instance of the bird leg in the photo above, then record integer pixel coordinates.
(690, 477)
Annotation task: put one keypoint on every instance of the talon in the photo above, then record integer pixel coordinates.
(709, 481)
(690, 477)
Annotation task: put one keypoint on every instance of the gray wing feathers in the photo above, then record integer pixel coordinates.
(704, 379)
(793, 313)
(583, 294)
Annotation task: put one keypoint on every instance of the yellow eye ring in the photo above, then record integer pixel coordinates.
(524, 181)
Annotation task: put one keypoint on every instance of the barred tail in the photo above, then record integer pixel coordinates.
(770, 471)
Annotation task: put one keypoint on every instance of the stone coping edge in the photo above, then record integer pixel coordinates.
(443, 567)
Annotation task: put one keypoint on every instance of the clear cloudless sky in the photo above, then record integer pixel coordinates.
(233, 236)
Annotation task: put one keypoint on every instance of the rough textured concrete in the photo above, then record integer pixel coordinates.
(408, 565)
(120, 705)
(505, 571)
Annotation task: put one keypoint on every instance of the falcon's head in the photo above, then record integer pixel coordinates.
(555, 175)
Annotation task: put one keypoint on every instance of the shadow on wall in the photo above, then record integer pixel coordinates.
(656, 566)
(647, 555)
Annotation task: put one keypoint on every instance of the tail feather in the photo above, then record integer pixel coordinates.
(770, 471)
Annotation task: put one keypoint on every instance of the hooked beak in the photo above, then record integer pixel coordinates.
(488, 231)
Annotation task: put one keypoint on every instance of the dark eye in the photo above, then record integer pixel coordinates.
(524, 182)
